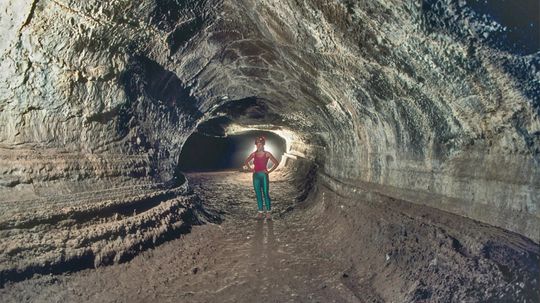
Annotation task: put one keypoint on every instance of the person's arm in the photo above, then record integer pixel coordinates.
(274, 160)
(246, 163)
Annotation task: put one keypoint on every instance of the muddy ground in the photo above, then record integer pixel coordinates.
(328, 248)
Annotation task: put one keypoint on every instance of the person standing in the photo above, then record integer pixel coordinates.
(261, 181)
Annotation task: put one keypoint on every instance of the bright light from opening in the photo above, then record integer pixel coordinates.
(288, 135)
(269, 148)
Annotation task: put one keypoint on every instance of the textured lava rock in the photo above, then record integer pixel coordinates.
(380, 94)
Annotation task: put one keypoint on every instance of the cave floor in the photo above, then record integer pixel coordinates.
(241, 259)
(335, 249)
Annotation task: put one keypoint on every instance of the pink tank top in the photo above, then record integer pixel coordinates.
(260, 162)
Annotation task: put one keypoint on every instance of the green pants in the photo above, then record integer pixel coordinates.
(261, 185)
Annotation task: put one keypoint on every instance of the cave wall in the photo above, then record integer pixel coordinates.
(84, 100)
(96, 94)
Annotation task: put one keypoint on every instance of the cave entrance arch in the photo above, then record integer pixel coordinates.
(203, 152)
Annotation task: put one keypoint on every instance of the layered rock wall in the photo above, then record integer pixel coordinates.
(387, 98)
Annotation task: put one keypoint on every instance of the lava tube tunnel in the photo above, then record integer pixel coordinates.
(400, 160)
(202, 152)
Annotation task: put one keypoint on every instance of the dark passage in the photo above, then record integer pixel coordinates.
(207, 153)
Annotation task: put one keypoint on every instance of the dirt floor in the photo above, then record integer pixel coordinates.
(308, 252)
(240, 260)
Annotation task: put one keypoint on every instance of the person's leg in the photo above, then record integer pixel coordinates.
(266, 189)
(257, 184)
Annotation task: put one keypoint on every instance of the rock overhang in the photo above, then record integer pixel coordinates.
(411, 107)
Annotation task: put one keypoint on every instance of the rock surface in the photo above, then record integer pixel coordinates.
(90, 229)
(418, 105)
(328, 249)
(410, 100)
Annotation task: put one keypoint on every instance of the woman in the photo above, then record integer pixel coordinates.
(261, 181)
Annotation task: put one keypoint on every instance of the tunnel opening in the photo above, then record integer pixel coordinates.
(204, 152)
(222, 144)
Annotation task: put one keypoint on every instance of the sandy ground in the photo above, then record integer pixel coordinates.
(335, 249)
(240, 260)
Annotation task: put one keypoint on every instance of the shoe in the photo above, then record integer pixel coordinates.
(259, 215)
(268, 217)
